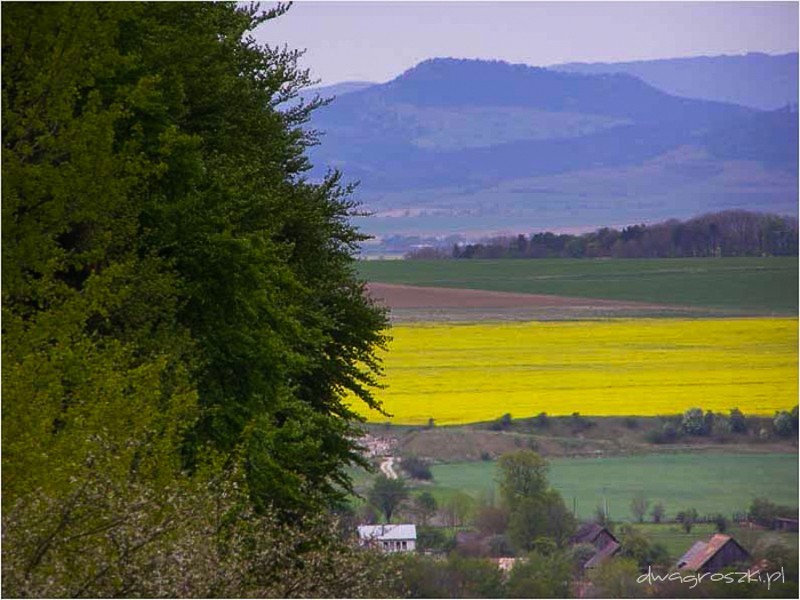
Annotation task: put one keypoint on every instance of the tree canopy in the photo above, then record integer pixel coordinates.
(536, 511)
(177, 296)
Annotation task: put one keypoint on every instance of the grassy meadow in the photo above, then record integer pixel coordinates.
(762, 286)
(477, 372)
(711, 483)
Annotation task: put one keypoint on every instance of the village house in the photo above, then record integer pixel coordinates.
(606, 545)
(709, 557)
(375, 446)
(389, 538)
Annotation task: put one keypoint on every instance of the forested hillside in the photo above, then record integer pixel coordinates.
(181, 317)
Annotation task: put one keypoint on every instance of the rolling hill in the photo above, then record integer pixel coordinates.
(757, 80)
(475, 147)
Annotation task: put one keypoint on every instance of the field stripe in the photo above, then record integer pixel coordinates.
(477, 372)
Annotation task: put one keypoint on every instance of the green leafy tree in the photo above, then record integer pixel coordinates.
(764, 512)
(491, 520)
(523, 474)
(474, 578)
(535, 510)
(97, 378)
(178, 300)
(737, 422)
(638, 548)
(694, 422)
(541, 576)
(457, 577)
(658, 513)
(784, 424)
(639, 506)
(687, 518)
(617, 579)
(721, 522)
(426, 506)
(457, 508)
(387, 495)
(416, 468)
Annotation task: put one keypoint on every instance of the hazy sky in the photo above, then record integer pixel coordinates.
(376, 41)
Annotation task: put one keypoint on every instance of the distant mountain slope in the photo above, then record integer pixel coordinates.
(452, 145)
(762, 81)
(336, 89)
(423, 124)
(458, 83)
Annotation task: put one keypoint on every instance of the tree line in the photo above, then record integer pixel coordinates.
(728, 233)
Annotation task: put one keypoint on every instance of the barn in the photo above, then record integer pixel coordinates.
(784, 524)
(606, 545)
(709, 557)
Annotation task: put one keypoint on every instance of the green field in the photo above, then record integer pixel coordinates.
(710, 483)
(751, 285)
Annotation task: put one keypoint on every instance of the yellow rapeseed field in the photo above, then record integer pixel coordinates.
(476, 372)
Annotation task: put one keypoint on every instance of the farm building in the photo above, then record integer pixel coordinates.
(782, 524)
(389, 538)
(709, 557)
(606, 545)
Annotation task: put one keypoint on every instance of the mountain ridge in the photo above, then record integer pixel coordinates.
(756, 79)
(439, 147)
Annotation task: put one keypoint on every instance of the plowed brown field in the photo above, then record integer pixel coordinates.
(417, 303)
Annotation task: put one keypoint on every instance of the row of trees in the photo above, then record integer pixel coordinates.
(181, 316)
(696, 422)
(728, 233)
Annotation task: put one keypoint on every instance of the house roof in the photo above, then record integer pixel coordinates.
(607, 551)
(690, 556)
(387, 532)
(588, 533)
(701, 552)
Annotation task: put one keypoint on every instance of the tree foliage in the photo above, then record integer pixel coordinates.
(178, 299)
(541, 575)
(206, 541)
(535, 511)
(387, 495)
(639, 506)
(687, 518)
(426, 505)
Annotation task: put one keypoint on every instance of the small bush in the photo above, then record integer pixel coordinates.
(783, 424)
(416, 468)
(694, 422)
(631, 422)
(579, 423)
(668, 434)
(658, 513)
(737, 422)
(721, 523)
(433, 539)
(501, 424)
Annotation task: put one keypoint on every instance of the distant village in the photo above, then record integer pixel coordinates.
(594, 546)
